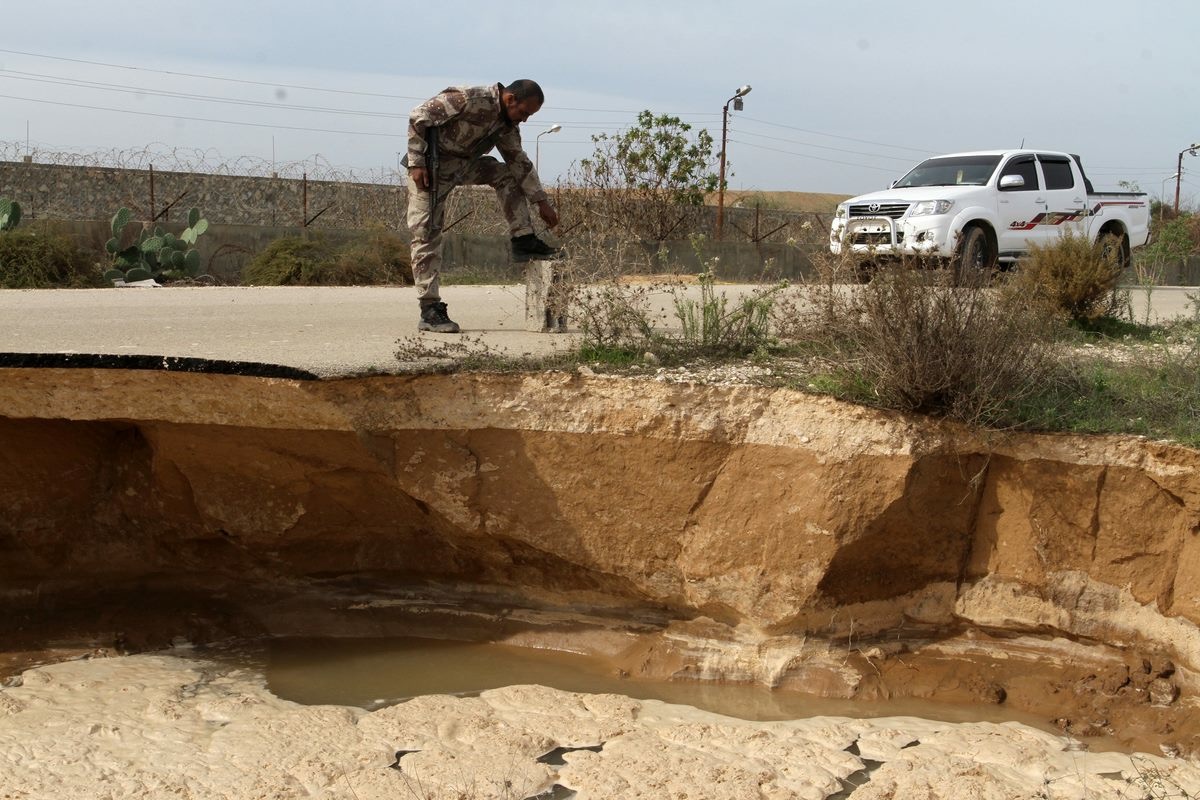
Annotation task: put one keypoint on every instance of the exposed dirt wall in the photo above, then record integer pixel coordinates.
(741, 526)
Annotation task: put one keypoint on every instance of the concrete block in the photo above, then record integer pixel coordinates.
(545, 303)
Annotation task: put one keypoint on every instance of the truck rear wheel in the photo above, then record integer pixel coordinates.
(1118, 242)
(975, 256)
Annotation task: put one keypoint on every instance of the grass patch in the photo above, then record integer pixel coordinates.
(1114, 329)
(1154, 394)
(609, 355)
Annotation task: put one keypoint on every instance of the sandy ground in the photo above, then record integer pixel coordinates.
(174, 725)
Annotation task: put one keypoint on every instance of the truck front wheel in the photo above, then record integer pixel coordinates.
(975, 256)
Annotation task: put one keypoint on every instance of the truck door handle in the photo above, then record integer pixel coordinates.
(1040, 200)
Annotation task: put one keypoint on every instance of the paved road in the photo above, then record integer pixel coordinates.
(326, 330)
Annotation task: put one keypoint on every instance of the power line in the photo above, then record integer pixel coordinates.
(834, 136)
(210, 77)
(716, 115)
(126, 89)
(1131, 172)
(825, 147)
(136, 90)
(200, 119)
(814, 158)
(275, 85)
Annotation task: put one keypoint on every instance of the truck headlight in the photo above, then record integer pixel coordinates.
(840, 212)
(929, 208)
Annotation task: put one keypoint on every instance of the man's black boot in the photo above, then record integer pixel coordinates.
(530, 248)
(434, 318)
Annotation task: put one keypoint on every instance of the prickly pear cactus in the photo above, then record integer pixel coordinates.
(10, 214)
(157, 253)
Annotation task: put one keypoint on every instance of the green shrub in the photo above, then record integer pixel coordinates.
(378, 257)
(1074, 275)
(710, 325)
(40, 256)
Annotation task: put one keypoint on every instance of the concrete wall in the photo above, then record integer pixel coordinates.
(49, 191)
(246, 213)
(226, 249)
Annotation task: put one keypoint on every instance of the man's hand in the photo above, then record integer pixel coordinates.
(547, 213)
(420, 177)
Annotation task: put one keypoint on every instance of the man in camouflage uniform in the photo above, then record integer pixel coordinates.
(468, 122)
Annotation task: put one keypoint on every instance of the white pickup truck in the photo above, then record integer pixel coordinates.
(979, 209)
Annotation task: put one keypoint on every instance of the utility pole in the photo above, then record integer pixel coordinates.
(737, 106)
(1179, 170)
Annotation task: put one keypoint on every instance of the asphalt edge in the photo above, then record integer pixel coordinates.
(153, 362)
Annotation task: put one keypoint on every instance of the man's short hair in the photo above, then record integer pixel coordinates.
(524, 89)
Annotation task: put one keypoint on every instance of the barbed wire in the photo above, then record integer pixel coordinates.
(193, 160)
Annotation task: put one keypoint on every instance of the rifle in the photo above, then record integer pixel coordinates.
(431, 164)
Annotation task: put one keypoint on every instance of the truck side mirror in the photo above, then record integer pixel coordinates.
(1012, 182)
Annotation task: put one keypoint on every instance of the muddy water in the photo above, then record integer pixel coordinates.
(370, 673)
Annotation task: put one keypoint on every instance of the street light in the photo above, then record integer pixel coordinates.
(1179, 170)
(537, 156)
(737, 106)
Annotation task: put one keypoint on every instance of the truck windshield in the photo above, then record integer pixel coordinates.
(953, 171)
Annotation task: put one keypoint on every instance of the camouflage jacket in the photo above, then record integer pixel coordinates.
(470, 121)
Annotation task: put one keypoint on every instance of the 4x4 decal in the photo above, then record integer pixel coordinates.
(1059, 217)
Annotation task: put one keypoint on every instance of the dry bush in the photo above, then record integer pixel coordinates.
(40, 256)
(382, 258)
(289, 261)
(613, 313)
(911, 341)
(614, 316)
(377, 257)
(1074, 276)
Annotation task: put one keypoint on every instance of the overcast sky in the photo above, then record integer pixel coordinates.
(846, 96)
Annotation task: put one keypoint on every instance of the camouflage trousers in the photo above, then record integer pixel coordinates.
(427, 245)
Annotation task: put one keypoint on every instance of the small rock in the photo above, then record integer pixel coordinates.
(650, 359)
(1163, 692)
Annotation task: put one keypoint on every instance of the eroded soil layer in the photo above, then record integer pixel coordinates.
(685, 531)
